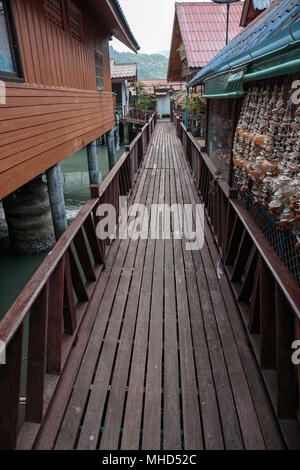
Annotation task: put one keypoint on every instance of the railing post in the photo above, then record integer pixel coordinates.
(286, 373)
(36, 359)
(10, 381)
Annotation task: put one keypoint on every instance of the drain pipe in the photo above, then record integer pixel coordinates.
(186, 105)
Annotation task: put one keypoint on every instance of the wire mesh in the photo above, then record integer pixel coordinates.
(284, 243)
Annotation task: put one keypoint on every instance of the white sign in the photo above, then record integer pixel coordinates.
(2, 353)
(2, 92)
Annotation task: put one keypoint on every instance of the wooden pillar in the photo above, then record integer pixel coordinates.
(57, 200)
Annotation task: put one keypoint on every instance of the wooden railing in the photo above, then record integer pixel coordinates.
(267, 295)
(136, 114)
(196, 123)
(55, 301)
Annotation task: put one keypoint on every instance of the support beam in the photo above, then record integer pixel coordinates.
(93, 163)
(110, 139)
(57, 200)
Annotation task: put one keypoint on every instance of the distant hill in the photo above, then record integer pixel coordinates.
(153, 66)
(164, 53)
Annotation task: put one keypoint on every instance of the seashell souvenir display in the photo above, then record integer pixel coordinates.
(266, 153)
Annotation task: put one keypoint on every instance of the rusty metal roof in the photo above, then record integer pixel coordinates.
(153, 86)
(150, 84)
(123, 71)
(203, 29)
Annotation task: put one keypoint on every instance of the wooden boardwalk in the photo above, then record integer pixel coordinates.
(162, 360)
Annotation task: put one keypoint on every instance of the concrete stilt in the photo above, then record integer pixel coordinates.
(93, 163)
(117, 131)
(110, 139)
(126, 134)
(57, 200)
(28, 216)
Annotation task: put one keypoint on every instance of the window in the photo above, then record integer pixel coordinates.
(99, 72)
(75, 21)
(54, 12)
(65, 16)
(10, 65)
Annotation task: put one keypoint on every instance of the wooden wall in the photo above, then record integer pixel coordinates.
(58, 110)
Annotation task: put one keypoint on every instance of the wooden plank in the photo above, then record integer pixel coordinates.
(114, 414)
(251, 433)
(70, 425)
(268, 422)
(153, 396)
(44, 437)
(193, 438)
(36, 359)
(211, 424)
(171, 405)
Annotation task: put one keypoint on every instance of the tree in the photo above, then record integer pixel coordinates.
(142, 99)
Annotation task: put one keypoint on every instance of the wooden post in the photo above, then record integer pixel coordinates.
(10, 380)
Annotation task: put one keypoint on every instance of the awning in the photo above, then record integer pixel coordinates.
(230, 84)
(227, 85)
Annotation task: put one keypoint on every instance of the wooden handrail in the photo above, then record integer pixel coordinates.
(280, 273)
(74, 265)
(267, 295)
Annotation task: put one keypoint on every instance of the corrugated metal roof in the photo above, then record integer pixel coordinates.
(203, 29)
(278, 16)
(126, 71)
(150, 84)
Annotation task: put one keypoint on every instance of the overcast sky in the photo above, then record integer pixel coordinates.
(151, 22)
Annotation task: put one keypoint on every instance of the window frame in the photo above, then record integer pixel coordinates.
(18, 75)
(99, 55)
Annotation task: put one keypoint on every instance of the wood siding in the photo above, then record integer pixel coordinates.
(58, 110)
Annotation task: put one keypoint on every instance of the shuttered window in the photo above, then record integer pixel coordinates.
(54, 12)
(75, 21)
(99, 72)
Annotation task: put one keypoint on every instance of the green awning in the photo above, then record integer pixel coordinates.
(275, 65)
(226, 85)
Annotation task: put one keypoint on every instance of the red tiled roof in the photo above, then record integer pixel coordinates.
(203, 29)
(125, 71)
(163, 83)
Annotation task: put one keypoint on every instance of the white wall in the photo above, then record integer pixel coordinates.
(163, 105)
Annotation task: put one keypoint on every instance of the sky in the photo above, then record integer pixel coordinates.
(151, 22)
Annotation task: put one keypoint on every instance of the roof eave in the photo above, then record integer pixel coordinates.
(110, 13)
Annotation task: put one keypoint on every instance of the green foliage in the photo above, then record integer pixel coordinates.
(181, 47)
(195, 105)
(150, 66)
(143, 99)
